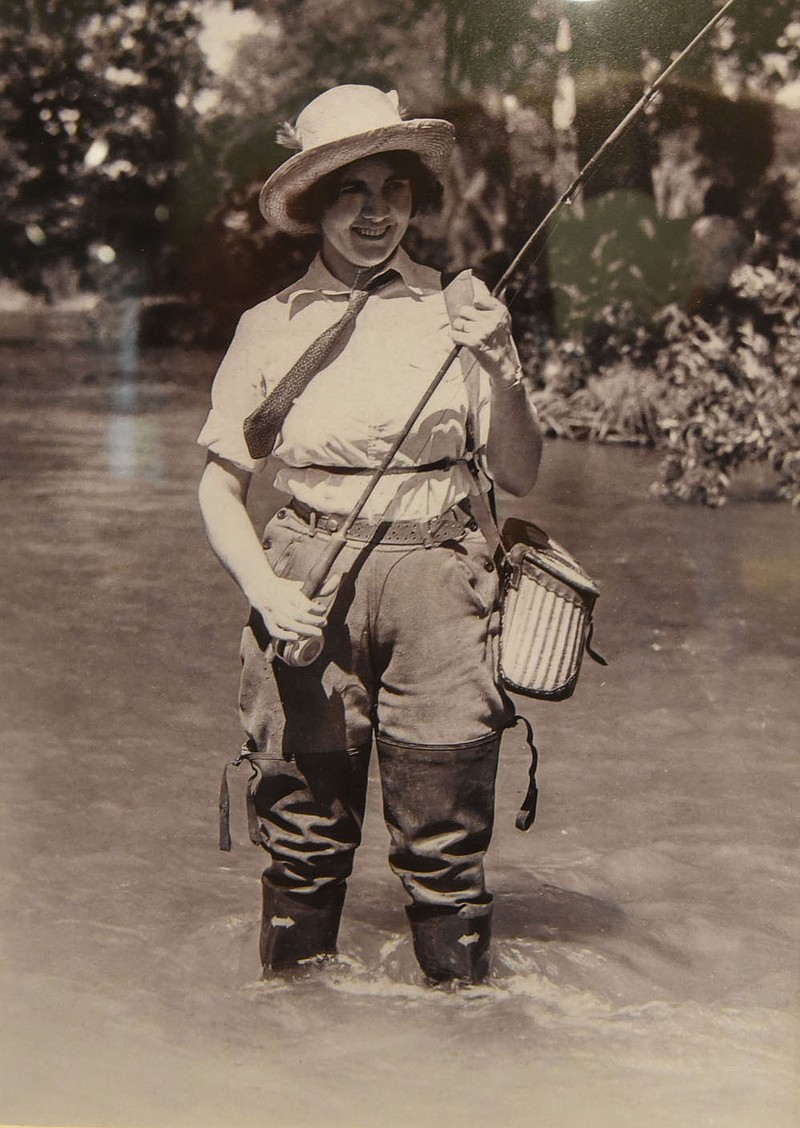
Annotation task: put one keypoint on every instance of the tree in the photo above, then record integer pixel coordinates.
(101, 124)
(50, 105)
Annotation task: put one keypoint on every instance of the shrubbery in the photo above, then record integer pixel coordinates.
(713, 389)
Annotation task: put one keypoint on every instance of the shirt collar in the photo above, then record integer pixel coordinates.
(318, 282)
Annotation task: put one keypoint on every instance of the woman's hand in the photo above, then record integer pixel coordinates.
(485, 329)
(514, 442)
(288, 613)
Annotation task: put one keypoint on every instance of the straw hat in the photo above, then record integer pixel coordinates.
(342, 125)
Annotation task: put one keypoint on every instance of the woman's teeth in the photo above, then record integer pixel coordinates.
(371, 232)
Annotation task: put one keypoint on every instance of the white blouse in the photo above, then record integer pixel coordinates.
(355, 407)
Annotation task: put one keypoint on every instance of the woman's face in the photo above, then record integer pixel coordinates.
(367, 218)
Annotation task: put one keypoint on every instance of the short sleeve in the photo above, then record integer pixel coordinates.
(237, 390)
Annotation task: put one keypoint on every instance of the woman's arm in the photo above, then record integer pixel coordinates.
(514, 443)
(286, 612)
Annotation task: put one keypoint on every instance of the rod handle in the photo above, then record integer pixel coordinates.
(304, 651)
(322, 565)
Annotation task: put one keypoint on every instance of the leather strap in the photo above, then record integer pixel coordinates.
(527, 812)
(417, 468)
(459, 291)
(448, 526)
(247, 752)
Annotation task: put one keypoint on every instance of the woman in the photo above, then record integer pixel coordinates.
(409, 621)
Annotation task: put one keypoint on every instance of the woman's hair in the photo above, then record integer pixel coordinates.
(426, 191)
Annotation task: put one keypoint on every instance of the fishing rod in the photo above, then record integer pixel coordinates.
(305, 650)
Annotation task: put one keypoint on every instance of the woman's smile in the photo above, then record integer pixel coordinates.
(367, 217)
(370, 232)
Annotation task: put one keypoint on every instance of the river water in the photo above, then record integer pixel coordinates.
(646, 948)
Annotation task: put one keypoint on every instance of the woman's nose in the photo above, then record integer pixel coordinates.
(376, 207)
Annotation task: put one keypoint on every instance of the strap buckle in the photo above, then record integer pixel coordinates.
(443, 527)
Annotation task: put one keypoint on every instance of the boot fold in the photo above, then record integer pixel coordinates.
(295, 928)
(438, 803)
(452, 945)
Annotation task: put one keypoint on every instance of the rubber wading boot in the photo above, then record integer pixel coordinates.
(295, 928)
(452, 944)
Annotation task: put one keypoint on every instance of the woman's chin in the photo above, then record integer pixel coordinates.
(358, 253)
(371, 252)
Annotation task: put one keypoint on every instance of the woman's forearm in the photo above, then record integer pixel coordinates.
(514, 444)
(286, 612)
(223, 496)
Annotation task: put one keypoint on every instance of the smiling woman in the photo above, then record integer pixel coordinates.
(325, 375)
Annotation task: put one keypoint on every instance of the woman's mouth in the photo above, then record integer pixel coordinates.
(372, 232)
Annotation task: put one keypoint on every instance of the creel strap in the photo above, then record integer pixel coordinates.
(527, 812)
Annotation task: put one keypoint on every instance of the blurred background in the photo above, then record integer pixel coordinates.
(663, 309)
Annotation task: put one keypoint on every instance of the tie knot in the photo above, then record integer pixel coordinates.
(370, 285)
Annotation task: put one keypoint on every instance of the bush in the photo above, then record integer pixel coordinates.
(714, 389)
(734, 389)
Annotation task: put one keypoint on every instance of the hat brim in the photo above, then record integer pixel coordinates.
(431, 139)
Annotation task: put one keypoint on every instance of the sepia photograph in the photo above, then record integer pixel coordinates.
(400, 414)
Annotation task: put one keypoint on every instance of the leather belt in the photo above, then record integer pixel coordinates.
(451, 525)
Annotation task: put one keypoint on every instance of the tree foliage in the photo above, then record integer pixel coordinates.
(481, 45)
(75, 74)
(733, 389)
(98, 104)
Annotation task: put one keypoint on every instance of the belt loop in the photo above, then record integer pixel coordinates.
(312, 523)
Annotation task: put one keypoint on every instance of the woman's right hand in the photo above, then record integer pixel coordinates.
(288, 613)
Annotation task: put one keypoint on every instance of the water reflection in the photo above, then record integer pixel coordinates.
(124, 392)
(134, 447)
(133, 442)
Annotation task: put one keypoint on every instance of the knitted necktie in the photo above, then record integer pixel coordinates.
(261, 427)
